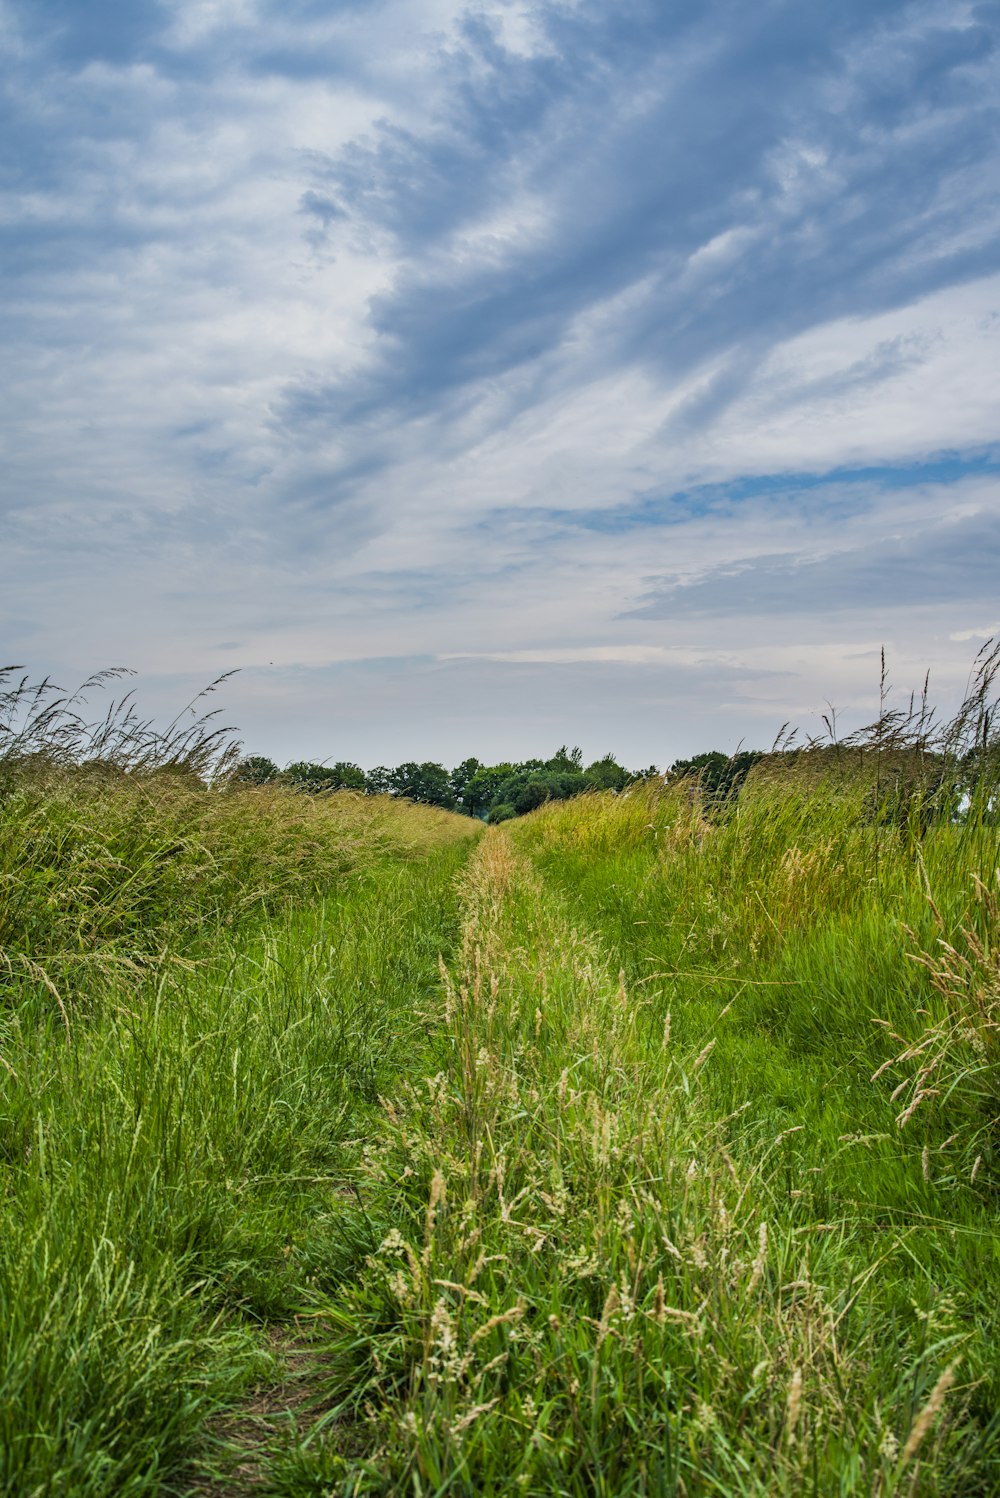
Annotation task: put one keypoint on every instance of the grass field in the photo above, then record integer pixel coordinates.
(631, 1148)
(204, 997)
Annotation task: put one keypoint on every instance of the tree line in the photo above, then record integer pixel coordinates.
(494, 793)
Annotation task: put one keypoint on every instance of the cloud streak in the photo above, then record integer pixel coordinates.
(546, 343)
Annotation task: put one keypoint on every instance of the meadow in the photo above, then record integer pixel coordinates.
(644, 1145)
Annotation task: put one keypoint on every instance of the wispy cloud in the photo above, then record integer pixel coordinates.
(502, 339)
(937, 564)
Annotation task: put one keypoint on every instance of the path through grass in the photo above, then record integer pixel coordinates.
(174, 1169)
(629, 1154)
(601, 1254)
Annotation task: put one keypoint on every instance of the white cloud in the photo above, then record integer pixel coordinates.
(396, 428)
(987, 632)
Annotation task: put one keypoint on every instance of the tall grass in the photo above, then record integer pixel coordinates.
(43, 724)
(204, 987)
(121, 845)
(174, 1168)
(678, 1177)
(700, 1197)
(615, 1247)
(103, 874)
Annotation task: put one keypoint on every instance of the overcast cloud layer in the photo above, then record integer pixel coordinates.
(480, 377)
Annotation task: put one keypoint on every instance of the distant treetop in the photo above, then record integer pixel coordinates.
(496, 793)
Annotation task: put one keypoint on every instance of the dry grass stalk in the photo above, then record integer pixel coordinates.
(926, 1417)
(793, 1406)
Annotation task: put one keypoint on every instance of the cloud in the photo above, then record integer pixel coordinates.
(987, 632)
(754, 174)
(939, 564)
(113, 31)
(539, 349)
(618, 654)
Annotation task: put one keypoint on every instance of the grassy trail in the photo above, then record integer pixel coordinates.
(580, 1271)
(608, 1202)
(175, 1161)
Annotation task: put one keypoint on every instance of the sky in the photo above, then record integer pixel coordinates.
(478, 378)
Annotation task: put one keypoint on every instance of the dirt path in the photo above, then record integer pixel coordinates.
(239, 1443)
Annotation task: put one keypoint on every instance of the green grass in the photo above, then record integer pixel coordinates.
(605, 1259)
(679, 1178)
(175, 1162)
(108, 873)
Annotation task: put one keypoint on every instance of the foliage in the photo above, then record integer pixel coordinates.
(627, 1195)
(172, 1167)
(566, 761)
(606, 775)
(429, 783)
(342, 776)
(719, 775)
(473, 788)
(499, 791)
(256, 769)
(460, 779)
(481, 790)
(102, 872)
(655, 1229)
(378, 782)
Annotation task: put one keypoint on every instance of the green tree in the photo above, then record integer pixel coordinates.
(566, 760)
(481, 790)
(534, 791)
(315, 778)
(427, 782)
(256, 769)
(528, 788)
(461, 777)
(607, 775)
(720, 775)
(351, 777)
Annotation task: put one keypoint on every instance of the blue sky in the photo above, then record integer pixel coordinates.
(481, 377)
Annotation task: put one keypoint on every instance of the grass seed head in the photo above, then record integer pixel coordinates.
(925, 1419)
(793, 1405)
